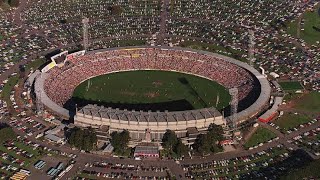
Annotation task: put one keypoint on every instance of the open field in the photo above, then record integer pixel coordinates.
(152, 90)
(309, 103)
(7, 88)
(215, 49)
(35, 64)
(310, 170)
(260, 136)
(291, 86)
(310, 24)
(289, 121)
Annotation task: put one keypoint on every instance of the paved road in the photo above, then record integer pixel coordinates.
(163, 21)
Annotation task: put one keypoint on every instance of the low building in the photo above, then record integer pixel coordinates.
(54, 138)
(271, 113)
(274, 75)
(146, 151)
(108, 149)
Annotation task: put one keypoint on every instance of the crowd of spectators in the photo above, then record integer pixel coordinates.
(62, 81)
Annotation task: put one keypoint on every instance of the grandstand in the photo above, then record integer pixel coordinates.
(58, 84)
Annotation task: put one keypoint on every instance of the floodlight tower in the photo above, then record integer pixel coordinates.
(251, 47)
(233, 107)
(85, 22)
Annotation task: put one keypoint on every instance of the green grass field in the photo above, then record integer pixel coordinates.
(289, 121)
(260, 136)
(310, 170)
(291, 86)
(154, 90)
(7, 88)
(309, 34)
(215, 49)
(309, 103)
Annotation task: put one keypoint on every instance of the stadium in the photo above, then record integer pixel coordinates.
(54, 87)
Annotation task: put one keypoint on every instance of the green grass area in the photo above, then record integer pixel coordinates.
(311, 170)
(34, 64)
(160, 90)
(214, 48)
(309, 103)
(289, 121)
(129, 42)
(311, 22)
(87, 176)
(292, 28)
(260, 136)
(289, 96)
(27, 148)
(291, 86)
(28, 161)
(124, 43)
(5, 94)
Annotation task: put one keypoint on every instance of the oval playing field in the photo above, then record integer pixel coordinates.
(152, 90)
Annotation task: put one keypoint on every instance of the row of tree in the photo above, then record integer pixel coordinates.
(84, 139)
(204, 144)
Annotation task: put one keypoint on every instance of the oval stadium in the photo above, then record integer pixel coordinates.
(56, 87)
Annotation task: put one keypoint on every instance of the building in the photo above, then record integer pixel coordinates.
(146, 151)
(272, 112)
(54, 138)
(108, 149)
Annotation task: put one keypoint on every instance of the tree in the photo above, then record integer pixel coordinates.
(6, 133)
(14, 3)
(173, 145)
(115, 10)
(169, 140)
(215, 132)
(180, 149)
(120, 142)
(202, 144)
(209, 143)
(84, 139)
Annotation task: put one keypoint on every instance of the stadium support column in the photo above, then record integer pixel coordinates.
(85, 22)
(251, 47)
(233, 107)
(39, 103)
(39, 100)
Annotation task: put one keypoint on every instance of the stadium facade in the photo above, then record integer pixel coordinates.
(55, 87)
